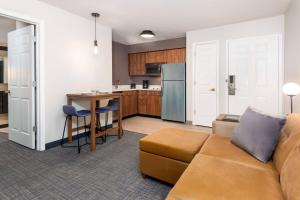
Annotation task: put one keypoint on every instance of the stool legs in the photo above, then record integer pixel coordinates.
(78, 146)
(63, 136)
(78, 138)
(86, 134)
(99, 126)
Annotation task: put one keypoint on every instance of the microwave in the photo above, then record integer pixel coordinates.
(153, 69)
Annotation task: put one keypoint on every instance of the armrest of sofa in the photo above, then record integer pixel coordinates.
(224, 128)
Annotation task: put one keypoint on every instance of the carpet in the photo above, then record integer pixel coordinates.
(111, 172)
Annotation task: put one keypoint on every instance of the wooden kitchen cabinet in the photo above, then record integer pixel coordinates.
(149, 103)
(136, 64)
(142, 102)
(156, 57)
(137, 61)
(129, 106)
(154, 103)
(176, 55)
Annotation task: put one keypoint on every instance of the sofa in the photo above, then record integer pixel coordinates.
(214, 168)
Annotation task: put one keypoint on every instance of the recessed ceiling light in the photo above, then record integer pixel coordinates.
(147, 34)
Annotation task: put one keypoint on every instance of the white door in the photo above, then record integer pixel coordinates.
(253, 65)
(20, 84)
(206, 64)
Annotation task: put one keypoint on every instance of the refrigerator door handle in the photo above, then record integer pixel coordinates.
(162, 82)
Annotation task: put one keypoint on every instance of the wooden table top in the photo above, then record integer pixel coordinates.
(94, 95)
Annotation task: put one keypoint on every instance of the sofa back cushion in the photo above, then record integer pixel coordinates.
(289, 137)
(290, 176)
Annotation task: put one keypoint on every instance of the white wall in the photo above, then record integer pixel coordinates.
(20, 24)
(5, 27)
(260, 27)
(70, 65)
(292, 49)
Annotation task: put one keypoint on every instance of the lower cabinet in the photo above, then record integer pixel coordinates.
(129, 106)
(149, 103)
(142, 102)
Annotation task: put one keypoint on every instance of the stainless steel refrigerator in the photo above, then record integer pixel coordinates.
(173, 92)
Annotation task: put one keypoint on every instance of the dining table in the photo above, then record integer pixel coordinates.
(94, 99)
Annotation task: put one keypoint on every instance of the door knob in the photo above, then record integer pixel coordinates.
(7, 91)
(212, 89)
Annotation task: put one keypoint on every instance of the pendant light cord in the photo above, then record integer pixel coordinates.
(95, 28)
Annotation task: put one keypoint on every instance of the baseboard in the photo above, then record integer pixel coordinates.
(3, 125)
(58, 142)
(140, 115)
(151, 116)
(189, 122)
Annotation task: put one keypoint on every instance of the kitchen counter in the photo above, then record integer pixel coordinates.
(122, 88)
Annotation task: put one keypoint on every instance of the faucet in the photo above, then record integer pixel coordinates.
(117, 83)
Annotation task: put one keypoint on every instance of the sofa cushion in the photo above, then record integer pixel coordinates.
(208, 177)
(174, 143)
(258, 134)
(290, 175)
(289, 137)
(221, 147)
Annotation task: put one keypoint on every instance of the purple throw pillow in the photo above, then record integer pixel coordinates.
(258, 134)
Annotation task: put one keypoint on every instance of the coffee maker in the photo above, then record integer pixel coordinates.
(145, 84)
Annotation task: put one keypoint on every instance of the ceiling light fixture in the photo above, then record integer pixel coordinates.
(95, 50)
(147, 34)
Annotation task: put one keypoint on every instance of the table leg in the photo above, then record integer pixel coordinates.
(70, 134)
(120, 128)
(93, 125)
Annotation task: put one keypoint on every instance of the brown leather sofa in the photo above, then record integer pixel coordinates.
(221, 170)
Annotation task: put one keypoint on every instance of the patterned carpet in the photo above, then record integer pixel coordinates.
(111, 172)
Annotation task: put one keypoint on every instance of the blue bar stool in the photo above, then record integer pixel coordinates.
(113, 106)
(99, 111)
(70, 111)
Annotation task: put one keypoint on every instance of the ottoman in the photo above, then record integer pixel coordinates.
(165, 154)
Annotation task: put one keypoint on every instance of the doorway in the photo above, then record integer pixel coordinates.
(206, 83)
(254, 71)
(17, 76)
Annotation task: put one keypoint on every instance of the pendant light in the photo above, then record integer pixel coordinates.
(95, 50)
(147, 34)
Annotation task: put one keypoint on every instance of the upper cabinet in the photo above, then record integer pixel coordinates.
(156, 57)
(136, 64)
(175, 55)
(137, 61)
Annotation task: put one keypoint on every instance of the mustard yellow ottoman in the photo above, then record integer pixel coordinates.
(165, 154)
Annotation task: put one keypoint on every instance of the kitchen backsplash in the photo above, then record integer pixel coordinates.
(138, 87)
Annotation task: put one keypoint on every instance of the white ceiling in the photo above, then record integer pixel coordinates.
(169, 18)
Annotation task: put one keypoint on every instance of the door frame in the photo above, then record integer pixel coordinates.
(280, 69)
(217, 42)
(39, 71)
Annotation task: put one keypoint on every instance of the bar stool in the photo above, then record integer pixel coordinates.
(113, 106)
(99, 111)
(70, 111)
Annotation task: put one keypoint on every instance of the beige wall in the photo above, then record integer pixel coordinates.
(292, 49)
